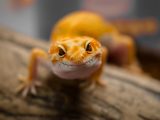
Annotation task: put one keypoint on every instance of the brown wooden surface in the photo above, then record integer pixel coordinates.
(127, 96)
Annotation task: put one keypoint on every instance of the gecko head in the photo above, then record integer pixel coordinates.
(73, 54)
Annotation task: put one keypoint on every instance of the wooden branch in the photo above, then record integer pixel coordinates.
(127, 96)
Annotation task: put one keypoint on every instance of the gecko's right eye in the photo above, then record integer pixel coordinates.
(61, 52)
(88, 47)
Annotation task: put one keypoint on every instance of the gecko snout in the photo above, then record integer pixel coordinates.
(77, 55)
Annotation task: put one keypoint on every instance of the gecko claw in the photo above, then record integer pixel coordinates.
(27, 86)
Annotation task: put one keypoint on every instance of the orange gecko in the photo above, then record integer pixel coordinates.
(76, 52)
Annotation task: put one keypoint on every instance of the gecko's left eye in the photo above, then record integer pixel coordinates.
(88, 47)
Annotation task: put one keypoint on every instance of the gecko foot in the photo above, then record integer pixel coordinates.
(27, 86)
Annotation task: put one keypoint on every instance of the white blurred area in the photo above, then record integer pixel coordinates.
(22, 20)
(36, 19)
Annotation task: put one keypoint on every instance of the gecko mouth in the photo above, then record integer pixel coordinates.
(91, 60)
(71, 70)
(88, 61)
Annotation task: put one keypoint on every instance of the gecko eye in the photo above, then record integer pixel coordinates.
(61, 52)
(88, 48)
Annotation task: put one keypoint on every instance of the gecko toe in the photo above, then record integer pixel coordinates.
(27, 86)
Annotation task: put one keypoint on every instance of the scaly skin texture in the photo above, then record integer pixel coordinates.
(76, 51)
(76, 59)
(83, 23)
(79, 58)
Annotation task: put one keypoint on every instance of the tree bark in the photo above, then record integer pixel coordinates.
(127, 96)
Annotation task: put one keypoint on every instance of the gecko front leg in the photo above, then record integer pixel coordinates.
(29, 83)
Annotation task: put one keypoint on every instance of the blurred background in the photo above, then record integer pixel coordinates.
(140, 18)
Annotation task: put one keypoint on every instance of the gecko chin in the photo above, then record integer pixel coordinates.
(70, 70)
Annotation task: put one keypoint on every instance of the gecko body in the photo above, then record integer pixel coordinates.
(76, 51)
